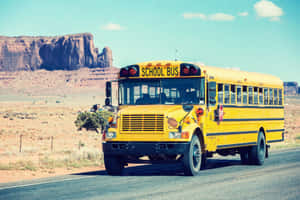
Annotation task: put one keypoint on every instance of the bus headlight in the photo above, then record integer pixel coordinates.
(173, 135)
(110, 135)
(172, 122)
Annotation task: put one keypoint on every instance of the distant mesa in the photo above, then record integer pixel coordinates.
(68, 52)
(291, 88)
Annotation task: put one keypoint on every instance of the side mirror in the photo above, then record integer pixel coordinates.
(187, 108)
(108, 90)
(108, 101)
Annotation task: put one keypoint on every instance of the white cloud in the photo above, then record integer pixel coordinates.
(112, 27)
(194, 16)
(243, 14)
(212, 17)
(268, 9)
(221, 17)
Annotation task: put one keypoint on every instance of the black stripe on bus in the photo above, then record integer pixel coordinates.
(231, 133)
(275, 130)
(235, 106)
(270, 141)
(255, 119)
(236, 145)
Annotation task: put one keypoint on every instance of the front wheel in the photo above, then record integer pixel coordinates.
(113, 165)
(193, 158)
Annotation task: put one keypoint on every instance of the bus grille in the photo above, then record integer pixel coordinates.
(142, 123)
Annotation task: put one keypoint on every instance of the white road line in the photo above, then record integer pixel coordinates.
(41, 183)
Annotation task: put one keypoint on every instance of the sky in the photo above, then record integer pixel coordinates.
(250, 35)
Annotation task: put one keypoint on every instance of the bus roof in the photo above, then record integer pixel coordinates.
(242, 77)
(229, 75)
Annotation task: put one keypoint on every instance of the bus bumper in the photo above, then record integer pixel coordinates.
(144, 148)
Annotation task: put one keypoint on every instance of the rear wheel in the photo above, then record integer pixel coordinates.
(258, 152)
(113, 165)
(193, 158)
(245, 156)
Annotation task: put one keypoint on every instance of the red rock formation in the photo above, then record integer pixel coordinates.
(67, 52)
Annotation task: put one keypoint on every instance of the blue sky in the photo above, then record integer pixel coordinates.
(252, 35)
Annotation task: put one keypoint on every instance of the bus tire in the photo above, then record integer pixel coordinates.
(245, 156)
(258, 152)
(193, 158)
(113, 165)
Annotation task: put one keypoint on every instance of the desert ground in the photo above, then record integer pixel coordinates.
(39, 138)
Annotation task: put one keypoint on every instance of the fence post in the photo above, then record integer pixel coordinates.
(51, 143)
(20, 148)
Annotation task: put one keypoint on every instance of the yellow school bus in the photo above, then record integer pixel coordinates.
(173, 110)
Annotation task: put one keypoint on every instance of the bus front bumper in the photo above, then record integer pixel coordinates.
(144, 148)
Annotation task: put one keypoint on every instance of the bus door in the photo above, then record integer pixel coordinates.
(210, 122)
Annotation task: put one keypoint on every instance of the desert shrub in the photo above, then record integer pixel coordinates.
(92, 120)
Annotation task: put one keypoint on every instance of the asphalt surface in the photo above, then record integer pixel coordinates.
(224, 178)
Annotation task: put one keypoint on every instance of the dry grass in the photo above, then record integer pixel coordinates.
(49, 138)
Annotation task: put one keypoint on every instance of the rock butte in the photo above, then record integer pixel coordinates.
(68, 52)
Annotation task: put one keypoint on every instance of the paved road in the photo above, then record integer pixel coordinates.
(226, 178)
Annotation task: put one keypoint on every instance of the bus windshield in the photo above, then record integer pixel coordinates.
(161, 91)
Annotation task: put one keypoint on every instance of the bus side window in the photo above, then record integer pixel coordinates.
(232, 94)
(211, 93)
(245, 97)
(226, 99)
(260, 95)
(266, 96)
(280, 96)
(250, 97)
(238, 95)
(220, 93)
(271, 96)
(275, 96)
(255, 95)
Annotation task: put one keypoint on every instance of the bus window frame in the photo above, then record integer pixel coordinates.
(266, 96)
(228, 94)
(222, 101)
(232, 86)
(271, 96)
(243, 95)
(250, 97)
(238, 87)
(260, 96)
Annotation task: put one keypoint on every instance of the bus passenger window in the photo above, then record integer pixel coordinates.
(245, 97)
(232, 94)
(275, 97)
(255, 95)
(250, 97)
(266, 96)
(212, 93)
(260, 95)
(220, 93)
(280, 96)
(271, 96)
(226, 99)
(238, 95)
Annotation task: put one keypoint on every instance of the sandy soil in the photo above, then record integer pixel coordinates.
(47, 134)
